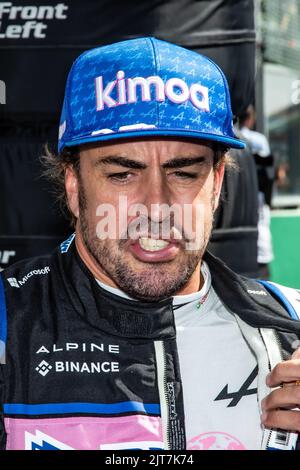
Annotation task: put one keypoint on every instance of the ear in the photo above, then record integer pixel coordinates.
(71, 185)
(218, 181)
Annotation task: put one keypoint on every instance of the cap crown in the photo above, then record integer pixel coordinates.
(145, 86)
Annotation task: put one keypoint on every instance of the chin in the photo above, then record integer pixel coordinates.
(153, 284)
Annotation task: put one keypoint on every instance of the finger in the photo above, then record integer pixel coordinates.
(288, 397)
(287, 371)
(296, 354)
(282, 419)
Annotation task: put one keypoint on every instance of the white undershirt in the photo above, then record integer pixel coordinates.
(212, 354)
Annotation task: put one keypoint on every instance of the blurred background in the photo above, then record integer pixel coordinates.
(279, 49)
(256, 42)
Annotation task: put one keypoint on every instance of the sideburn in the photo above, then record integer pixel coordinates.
(82, 201)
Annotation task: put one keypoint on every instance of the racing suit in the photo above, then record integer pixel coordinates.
(104, 370)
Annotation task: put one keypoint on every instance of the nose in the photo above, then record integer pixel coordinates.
(157, 197)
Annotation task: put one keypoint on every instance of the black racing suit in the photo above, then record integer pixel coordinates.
(85, 369)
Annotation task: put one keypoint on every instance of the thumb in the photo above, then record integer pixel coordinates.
(296, 354)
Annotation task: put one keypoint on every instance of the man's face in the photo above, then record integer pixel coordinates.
(146, 250)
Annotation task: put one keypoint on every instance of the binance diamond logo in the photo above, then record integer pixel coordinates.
(43, 368)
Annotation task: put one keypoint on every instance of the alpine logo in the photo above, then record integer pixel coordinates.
(36, 272)
(41, 441)
(124, 91)
(256, 292)
(244, 391)
(79, 347)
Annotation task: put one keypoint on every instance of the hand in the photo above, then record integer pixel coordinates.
(278, 406)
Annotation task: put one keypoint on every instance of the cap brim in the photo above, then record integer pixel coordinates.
(230, 142)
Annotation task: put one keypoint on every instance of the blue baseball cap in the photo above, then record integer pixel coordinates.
(145, 87)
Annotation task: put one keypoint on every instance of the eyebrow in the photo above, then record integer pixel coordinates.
(182, 162)
(125, 162)
(121, 161)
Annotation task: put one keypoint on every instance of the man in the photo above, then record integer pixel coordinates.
(131, 335)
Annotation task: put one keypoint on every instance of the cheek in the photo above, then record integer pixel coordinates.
(203, 212)
(90, 200)
(203, 206)
(206, 194)
(106, 212)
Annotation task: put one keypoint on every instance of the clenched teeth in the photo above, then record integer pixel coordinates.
(150, 244)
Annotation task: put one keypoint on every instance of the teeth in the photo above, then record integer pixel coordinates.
(150, 244)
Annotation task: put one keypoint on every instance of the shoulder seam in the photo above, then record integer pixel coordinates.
(275, 289)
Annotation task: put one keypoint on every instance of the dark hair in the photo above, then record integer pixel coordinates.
(54, 168)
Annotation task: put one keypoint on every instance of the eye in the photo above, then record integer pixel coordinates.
(122, 176)
(185, 174)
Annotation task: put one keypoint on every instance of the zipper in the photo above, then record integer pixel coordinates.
(288, 438)
(161, 367)
(166, 398)
(277, 341)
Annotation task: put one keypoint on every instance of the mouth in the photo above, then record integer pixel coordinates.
(151, 250)
(151, 244)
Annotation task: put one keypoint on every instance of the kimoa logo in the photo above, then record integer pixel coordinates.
(125, 91)
(36, 272)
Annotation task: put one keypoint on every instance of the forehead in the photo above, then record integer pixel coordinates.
(148, 149)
